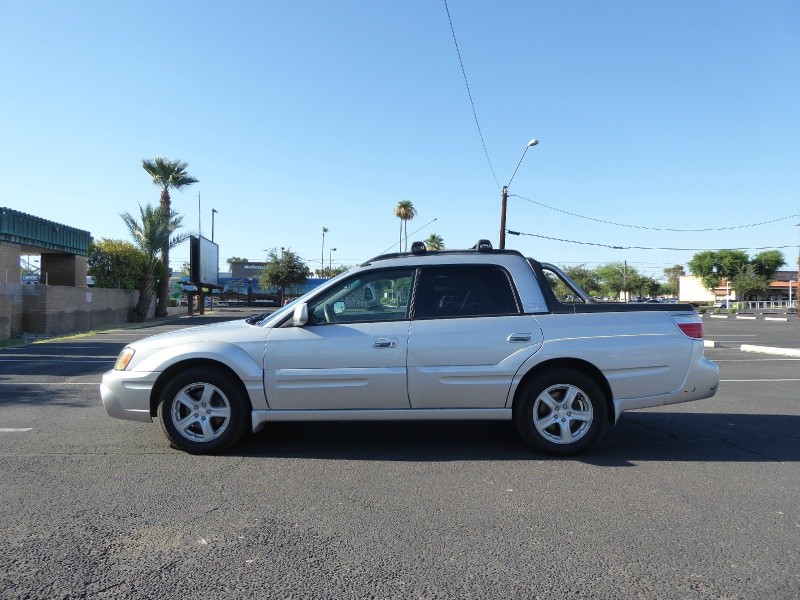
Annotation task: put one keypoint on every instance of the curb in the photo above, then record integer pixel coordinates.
(768, 350)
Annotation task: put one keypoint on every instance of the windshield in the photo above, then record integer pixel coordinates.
(289, 308)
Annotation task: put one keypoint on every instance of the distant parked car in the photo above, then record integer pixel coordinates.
(722, 304)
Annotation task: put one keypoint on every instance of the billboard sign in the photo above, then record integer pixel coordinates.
(203, 261)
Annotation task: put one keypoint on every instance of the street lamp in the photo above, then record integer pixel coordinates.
(505, 197)
(330, 263)
(624, 281)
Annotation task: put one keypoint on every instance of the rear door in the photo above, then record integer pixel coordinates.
(468, 338)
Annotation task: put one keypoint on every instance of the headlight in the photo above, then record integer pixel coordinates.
(123, 359)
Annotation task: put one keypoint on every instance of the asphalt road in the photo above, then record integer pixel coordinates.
(699, 500)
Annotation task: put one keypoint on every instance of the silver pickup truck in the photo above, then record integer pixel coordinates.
(466, 334)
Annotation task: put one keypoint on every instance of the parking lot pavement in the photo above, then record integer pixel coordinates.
(696, 500)
(761, 334)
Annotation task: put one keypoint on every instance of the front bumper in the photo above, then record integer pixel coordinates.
(126, 394)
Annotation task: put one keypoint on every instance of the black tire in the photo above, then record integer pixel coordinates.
(202, 411)
(560, 412)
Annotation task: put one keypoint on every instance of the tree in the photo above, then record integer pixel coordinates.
(586, 278)
(767, 262)
(322, 256)
(236, 259)
(618, 277)
(168, 175)
(703, 265)
(404, 211)
(151, 234)
(434, 242)
(328, 272)
(284, 270)
(711, 266)
(646, 286)
(674, 274)
(116, 264)
(748, 281)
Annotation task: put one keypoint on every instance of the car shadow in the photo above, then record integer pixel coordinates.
(638, 437)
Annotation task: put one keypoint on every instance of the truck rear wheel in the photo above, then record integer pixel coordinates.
(560, 412)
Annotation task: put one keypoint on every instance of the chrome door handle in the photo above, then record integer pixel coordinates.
(520, 337)
(385, 343)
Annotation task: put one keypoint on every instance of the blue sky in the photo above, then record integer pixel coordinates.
(296, 116)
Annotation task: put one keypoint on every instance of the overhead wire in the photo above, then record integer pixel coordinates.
(469, 93)
(649, 228)
(594, 219)
(616, 247)
(412, 233)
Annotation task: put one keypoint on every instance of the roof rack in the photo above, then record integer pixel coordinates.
(420, 249)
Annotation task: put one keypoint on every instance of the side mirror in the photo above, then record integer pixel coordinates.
(300, 317)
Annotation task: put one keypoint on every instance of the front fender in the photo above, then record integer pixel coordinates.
(232, 356)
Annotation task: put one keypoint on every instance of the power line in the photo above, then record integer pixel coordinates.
(412, 233)
(613, 247)
(707, 229)
(469, 93)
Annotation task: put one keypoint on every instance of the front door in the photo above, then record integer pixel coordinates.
(352, 352)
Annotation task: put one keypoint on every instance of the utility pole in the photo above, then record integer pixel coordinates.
(503, 205)
(505, 197)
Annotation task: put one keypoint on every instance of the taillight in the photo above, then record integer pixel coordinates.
(693, 330)
(690, 324)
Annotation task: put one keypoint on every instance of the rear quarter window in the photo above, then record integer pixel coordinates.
(464, 291)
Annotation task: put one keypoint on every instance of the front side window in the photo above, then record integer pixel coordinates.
(464, 291)
(374, 296)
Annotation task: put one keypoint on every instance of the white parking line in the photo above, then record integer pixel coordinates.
(15, 429)
(721, 360)
(50, 383)
(53, 360)
(735, 335)
(82, 357)
(754, 380)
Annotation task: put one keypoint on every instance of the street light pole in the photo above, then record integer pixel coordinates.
(330, 261)
(504, 198)
(798, 274)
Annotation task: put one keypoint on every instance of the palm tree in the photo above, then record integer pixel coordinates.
(167, 174)
(434, 242)
(150, 235)
(404, 211)
(322, 259)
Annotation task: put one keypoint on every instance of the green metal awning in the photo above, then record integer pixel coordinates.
(21, 228)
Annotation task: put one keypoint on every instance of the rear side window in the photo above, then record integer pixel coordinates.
(464, 291)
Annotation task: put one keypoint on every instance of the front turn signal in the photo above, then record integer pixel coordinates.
(123, 359)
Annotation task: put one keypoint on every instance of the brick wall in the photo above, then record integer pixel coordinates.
(64, 269)
(57, 310)
(9, 263)
(10, 310)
